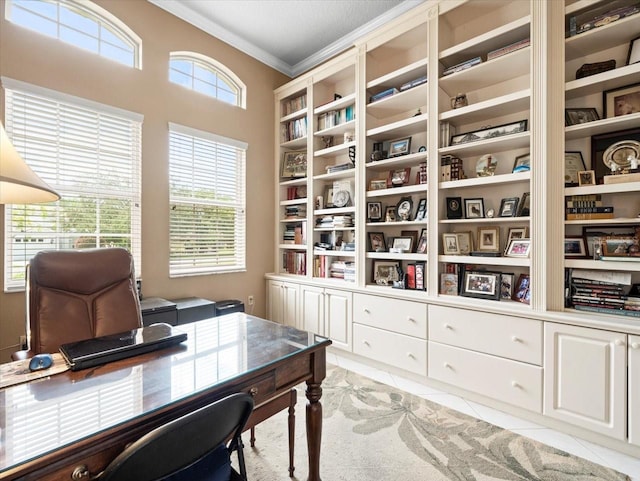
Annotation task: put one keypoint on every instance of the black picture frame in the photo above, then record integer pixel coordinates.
(421, 210)
(404, 208)
(481, 285)
(399, 147)
(580, 116)
(414, 238)
(522, 291)
(454, 208)
(522, 163)
(421, 248)
(377, 242)
(506, 285)
(633, 56)
(621, 101)
(474, 208)
(600, 143)
(385, 272)
(490, 132)
(524, 207)
(575, 247)
(509, 207)
(374, 211)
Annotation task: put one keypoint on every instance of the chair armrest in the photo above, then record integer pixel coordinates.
(20, 355)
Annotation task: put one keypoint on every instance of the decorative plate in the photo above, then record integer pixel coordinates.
(341, 198)
(620, 154)
(486, 165)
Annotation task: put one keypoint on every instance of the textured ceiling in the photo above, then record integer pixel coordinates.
(290, 35)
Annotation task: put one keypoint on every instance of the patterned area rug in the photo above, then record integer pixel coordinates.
(374, 432)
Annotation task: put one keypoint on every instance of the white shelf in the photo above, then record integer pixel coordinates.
(602, 126)
(494, 179)
(497, 144)
(504, 105)
(331, 229)
(633, 266)
(602, 38)
(493, 261)
(401, 128)
(345, 101)
(400, 76)
(294, 182)
(409, 160)
(296, 220)
(337, 129)
(335, 211)
(293, 202)
(295, 143)
(341, 174)
(618, 221)
(334, 253)
(408, 100)
(487, 220)
(603, 189)
(294, 247)
(596, 84)
(405, 256)
(407, 189)
(294, 115)
(420, 223)
(334, 150)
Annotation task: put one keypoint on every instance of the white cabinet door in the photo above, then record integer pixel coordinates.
(274, 301)
(312, 309)
(337, 321)
(585, 378)
(290, 301)
(634, 390)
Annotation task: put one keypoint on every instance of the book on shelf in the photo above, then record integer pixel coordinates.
(295, 104)
(590, 216)
(583, 200)
(294, 262)
(600, 277)
(608, 310)
(329, 119)
(383, 94)
(590, 210)
(462, 66)
(413, 83)
(294, 129)
(340, 167)
(499, 52)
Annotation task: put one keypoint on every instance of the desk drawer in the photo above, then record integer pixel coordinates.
(403, 317)
(515, 338)
(261, 388)
(509, 381)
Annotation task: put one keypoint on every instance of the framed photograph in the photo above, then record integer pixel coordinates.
(377, 184)
(522, 163)
(489, 239)
(515, 233)
(294, 164)
(454, 208)
(328, 196)
(483, 285)
(618, 246)
(613, 148)
(594, 236)
(621, 101)
(573, 163)
(509, 207)
(421, 210)
(414, 238)
(580, 116)
(587, 177)
(404, 208)
(490, 132)
(474, 208)
(634, 51)
(404, 243)
(450, 244)
(519, 248)
(421, 248)
(421, 270)
(377, 242)
(524, 208)
(575, 247)
(465, 242)
(522, 290)
(398, 177)
(449, 284)
(374, 211)
(400, 147)
(385, 273)
(506, 285)
(390, 214)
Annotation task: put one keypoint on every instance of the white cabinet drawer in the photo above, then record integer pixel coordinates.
(401, 351)
(506, 336)
(509, 381)
(404, 317)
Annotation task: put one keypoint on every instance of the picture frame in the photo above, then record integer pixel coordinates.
(377, 242)
(506, 285)
(465, 242)
(622, 100)
(490, 132)
(294, 164)
(587, 177)
(522, 163)
(385, 272)
(414, 238)
(481, 285)
(599, 145)
(421, 247)
(524, 207)
(573, 163)
(404, 208)
(421, 210)
(515, 233)
(519, 248)
(575, 247)
(377, 184)
(400, 147)
(398, 177)
(450, 244)
(633, 56)
(618, 245)
(390, 214)
(403, 242)
(488, 239)
(509, 207)
(374, 211)
(421, 270)
(328, 196)
(522, 291)
(474, 208)
(454, 208)
(449, 284)
(594, 235)
(580, 116)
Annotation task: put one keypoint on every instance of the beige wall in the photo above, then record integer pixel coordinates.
(30, 57)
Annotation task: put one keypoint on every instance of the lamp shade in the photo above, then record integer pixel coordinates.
(18, 183)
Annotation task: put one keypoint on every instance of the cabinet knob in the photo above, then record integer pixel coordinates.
(619, 342)
(253, 391)
(80, 472)
(410, 355)
(365, 342)
(516, 339)
(411, 319)
(515, 384)
(448, 326)
(366, 311)
(635, 345)
(447, 365)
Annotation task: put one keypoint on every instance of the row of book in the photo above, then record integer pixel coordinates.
(586, 207)
(499, 52)
(294, 262)
(414, 276)
(334, 221)
(295, 129)
(295, 212)
(294, 192)
(327, 267)
(451, 168)
(295, 234)
(604, 292)
(332, 118)
(294, 105)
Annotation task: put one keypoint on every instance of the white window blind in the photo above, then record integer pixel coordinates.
(90, 154)
(207, 231)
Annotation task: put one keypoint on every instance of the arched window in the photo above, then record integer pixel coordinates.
(80, 23)
(207, 76)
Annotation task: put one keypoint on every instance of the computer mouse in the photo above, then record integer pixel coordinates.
(40, 361)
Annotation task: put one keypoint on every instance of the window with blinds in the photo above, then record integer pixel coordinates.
(207, 232)
(90, 154)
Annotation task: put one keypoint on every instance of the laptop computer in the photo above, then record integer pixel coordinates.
(101, 350)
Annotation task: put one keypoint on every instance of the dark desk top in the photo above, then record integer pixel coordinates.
(45, 415)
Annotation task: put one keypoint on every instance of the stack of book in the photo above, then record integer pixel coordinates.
(587, 207)
(603, 292)
(294, 234)
(462, 66)
(295, 212)
(326, 221)
(350, 271)
(508, 49)
(451, 168)
(340, 221)
(383, 94)
(340, 167)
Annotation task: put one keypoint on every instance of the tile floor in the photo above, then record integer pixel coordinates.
(571, 444)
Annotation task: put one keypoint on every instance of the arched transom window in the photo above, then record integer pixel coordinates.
(207, 76)
(81, 23)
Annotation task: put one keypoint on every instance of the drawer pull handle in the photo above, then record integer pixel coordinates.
(366, 343)
(516, 339)
(411, 355)
(411, 319)
(635, 345)
(619, 342)
(253, 391)
(515, 384)
(447, 365)
(80, 472)
(366, 311)
(448, 326)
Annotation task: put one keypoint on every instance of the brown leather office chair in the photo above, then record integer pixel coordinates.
(79, 294)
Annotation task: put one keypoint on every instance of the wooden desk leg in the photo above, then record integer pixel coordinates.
(293, 397)
(314, 413)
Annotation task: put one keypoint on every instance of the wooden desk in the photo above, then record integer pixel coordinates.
(75, 423)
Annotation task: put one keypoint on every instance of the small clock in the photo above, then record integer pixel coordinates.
(341, 198)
